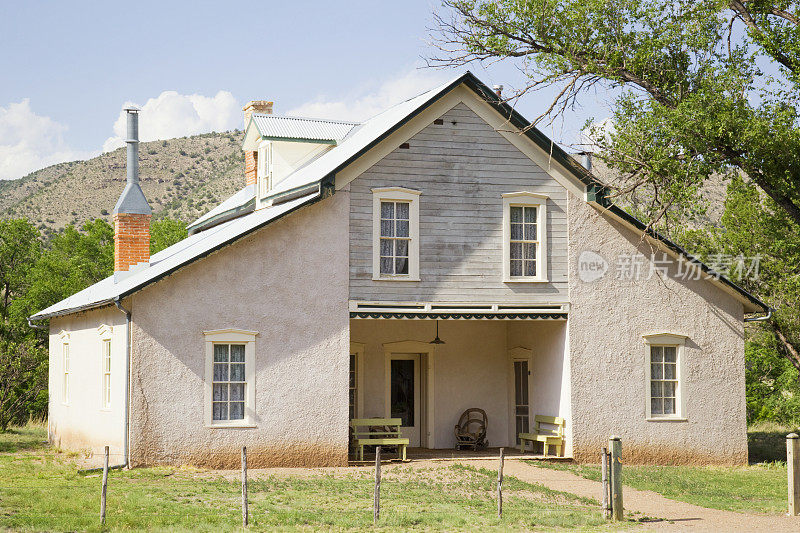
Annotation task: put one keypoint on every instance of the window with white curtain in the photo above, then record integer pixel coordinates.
(395, 237)
(230, 378)
(524, 237)
(229, 382)
(395, 234)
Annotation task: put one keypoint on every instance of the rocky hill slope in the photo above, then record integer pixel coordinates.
(182, 178)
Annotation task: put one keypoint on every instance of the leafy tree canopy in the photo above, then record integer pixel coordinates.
(706, 87)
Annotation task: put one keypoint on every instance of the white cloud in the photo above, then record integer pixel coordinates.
(597, 134)
(372, 98)
(171, 115)
(29, 141)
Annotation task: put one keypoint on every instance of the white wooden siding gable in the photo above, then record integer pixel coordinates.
(463, 95)
(462, 168)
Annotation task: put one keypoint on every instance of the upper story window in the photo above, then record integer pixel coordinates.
(230, 378)
(664, 382)
(395, 243)
(524, 237)
(264, 168)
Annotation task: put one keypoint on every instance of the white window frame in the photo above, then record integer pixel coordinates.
(264, 169)
(65, 366)
(679, 342)
(104, 334)
(525, 199)
(230, 336)
(396, 194)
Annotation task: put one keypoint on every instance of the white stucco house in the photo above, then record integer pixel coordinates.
(311, 296)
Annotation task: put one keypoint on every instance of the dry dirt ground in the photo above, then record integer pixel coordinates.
(651, 509)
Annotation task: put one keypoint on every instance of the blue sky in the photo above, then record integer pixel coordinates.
(69, 67)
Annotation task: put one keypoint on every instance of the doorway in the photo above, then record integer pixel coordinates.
(405, 395)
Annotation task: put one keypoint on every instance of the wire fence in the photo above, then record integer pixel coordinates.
(356, 493)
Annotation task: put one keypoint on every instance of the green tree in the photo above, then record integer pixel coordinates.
(73, 260)
(165, 232)
(704, 87)
(20, 248)
(23, 382)
(753, 225)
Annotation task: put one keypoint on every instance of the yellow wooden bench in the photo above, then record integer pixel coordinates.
(549, 437)
(378, 432)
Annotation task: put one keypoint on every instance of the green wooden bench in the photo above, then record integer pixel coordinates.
(378, 432)
(549, 437)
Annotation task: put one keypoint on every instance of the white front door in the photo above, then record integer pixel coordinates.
(404, 394)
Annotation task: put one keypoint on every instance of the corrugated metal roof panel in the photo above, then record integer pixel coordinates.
(302, 128)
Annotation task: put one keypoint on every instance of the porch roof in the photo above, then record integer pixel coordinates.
(461, 315)
(458, 311)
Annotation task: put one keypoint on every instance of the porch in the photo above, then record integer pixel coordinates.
(428, 454)
(512, 368)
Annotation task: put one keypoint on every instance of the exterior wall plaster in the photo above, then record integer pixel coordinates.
(287, 281)
(82, 424)
(608, 357)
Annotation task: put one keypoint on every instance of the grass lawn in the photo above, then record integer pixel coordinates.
(41, 490)
(760, 487)
(749, 489)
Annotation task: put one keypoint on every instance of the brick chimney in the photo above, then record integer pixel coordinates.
(251, 158)
(132, 212)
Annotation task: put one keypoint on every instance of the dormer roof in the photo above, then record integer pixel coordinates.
(276, 128)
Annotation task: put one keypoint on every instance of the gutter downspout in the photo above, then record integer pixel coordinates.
(760, 318)
(128, 339)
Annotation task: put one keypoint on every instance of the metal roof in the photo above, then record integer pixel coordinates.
(296, 128)
(239, 199)
(358, 140)
(170, 259)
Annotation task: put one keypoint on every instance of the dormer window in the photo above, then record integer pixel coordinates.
(264, 168)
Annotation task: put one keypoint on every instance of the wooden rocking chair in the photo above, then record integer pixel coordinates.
(471, 429)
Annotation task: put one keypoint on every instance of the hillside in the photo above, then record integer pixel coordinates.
(182, 178)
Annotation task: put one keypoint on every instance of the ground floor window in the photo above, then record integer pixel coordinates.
(229, 382)
(664, 382)
(65, 382)
(106, 385)
(230, 377)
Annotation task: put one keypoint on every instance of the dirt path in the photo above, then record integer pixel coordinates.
(673, 514)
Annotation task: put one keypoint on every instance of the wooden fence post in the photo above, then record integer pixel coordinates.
(604, 478)
(245, 510)
(500, 485)
(104, 489)
(376, 510)
(793, 470)
(616, 477)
